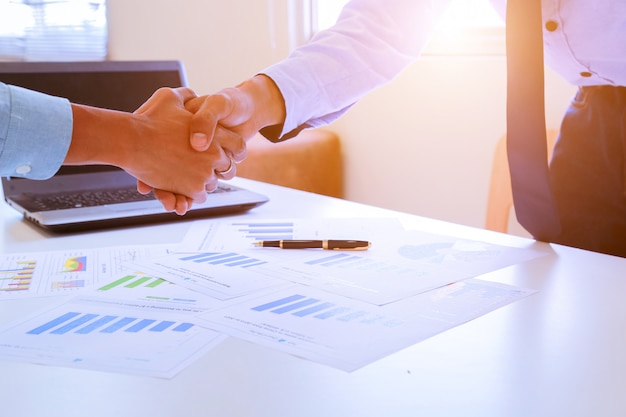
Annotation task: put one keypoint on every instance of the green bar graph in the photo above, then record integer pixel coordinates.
(117, 283)
(156, 282)
(134, 281)
(138, 282)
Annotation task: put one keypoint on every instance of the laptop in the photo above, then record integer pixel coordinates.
(97, 196)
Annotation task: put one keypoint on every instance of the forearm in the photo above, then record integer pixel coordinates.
(244, 109)
(100, 136)
(269, 105)
(152, 144)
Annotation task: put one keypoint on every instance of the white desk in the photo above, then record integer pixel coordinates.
(561, 352)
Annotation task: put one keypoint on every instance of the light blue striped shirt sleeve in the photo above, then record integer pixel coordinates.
(35, 132)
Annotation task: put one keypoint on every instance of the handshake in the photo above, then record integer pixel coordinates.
(177, 144)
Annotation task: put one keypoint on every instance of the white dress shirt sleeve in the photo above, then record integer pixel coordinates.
(371, 43)
(35, 132)
(373, 40)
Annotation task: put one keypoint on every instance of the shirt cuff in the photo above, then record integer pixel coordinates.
(38, 133)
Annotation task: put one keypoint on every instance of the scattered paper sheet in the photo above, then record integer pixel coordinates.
(138, 290)
(121, 320)
(238, 235)
(202, 272)
(92, 333)
(347, 333)
(398, 265)
(37, 274)
(150, 311)
(216, 258)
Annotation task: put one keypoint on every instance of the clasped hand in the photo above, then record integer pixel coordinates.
(180, 157)
(197, 140)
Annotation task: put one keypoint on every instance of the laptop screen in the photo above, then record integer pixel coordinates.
(115, 85)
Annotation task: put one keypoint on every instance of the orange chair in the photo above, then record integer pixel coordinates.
(312, 161)
(500, 199)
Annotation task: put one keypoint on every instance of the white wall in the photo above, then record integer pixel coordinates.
(432, 132)
(220, 42)
(422, 144)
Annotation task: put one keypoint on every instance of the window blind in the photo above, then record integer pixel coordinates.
(53, 30)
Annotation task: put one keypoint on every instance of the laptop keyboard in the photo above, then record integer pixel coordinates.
(92, 198)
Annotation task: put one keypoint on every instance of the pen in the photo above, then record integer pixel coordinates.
(315, 244)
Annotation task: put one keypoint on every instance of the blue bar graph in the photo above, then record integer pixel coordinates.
(182, 327)
(273, 237)
(343, 260)
(295, 306)
(313, 310)
(54, 323)
(86, 323)
(326, 259)
(74, 324)
(255, 263)
(227, 259)
(137, 327)
(218, 258)
(332, 313)
(265, 230)
(359, 263)
(346, 261)
(164, 325)
(353, 316)
(266, 224)
(95, 325)
(194, 257)
(300, 306)
(280, 302)
(244, 263)
(120, 324)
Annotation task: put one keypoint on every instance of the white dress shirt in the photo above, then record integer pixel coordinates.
(373, 40)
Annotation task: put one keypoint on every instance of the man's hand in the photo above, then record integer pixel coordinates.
(152, 144)
(216, 162)
(233, 151)
(224, 121)
(243, 110)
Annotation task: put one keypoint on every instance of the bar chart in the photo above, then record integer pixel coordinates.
(347, 333)
(133, 281)
(66, 285)
(151, 289)
(230, 259)
(265, 230)
(98, 334)
(301, 306)
(218, 274)
(357, 263)
(17, 275)
(86, 323)
(239, 235)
